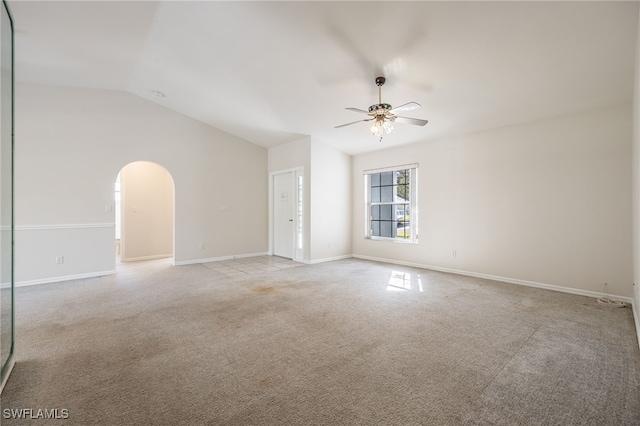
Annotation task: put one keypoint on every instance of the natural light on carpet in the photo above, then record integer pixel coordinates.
(401, 281)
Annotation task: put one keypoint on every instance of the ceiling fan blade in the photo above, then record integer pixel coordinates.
(353, 122)
(407, 120)
(406, 107)
(358, 110)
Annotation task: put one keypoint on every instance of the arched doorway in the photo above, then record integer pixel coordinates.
(144, 212)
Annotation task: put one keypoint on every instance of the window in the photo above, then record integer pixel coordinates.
(299, 211)
(391, 204)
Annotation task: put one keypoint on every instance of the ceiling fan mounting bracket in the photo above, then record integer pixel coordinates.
(380, 81)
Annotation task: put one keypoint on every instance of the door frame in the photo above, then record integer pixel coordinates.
(298, 249)
(123, 226)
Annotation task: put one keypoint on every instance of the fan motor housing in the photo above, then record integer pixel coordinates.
(380, 109)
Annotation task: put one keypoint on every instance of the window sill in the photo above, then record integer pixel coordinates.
(391, 240)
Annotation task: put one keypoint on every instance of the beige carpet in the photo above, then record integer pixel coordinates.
(346, 343)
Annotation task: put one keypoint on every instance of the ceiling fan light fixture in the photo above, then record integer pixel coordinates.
(381, 127)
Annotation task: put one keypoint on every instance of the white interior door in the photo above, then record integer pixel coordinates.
(284, 197)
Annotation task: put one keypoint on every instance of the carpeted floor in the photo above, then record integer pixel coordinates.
(343, 343)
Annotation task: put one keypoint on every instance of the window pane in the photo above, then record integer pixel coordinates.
(403, 231)
(386, 212)
(386, 194)
(375, 228)
(375, 194)
(375, 212)
(375, 179)
(402, 176)
(402, 192)
(387, 230)
(386, 178)
(402, 182)
(403, 212)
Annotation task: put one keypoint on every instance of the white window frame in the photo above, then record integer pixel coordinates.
(413, 203)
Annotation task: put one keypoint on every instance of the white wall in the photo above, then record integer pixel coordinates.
(326, 193)
(70, 145)
(290, 155)
(331, 203)
(147, 211)
(544, 202)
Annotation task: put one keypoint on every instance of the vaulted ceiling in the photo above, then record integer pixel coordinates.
(272, 72)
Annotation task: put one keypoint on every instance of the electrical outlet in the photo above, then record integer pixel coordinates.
(59, 260)
(201, 246)
(454, 253)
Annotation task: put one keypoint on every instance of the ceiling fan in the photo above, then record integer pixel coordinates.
(383, 115)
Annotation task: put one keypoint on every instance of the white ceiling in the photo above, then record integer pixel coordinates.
(272, 72)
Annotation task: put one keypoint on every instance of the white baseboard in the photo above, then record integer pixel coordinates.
(327, 259)
(155, 256)
(64, 278)
(64, 226)
(526, 283)
(216, 259)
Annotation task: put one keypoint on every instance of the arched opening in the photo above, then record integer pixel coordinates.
(144, 207)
